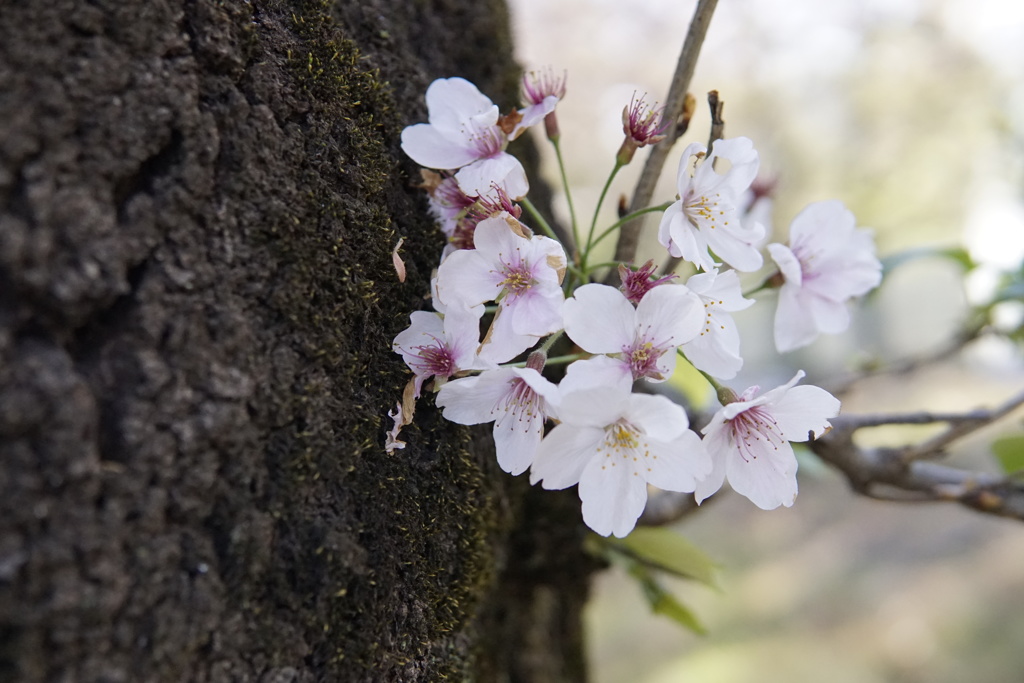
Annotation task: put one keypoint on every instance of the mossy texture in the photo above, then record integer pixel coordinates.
(200, 203)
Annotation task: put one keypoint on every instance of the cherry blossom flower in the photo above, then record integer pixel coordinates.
(642, 340)
(522, 273)
(828, 261)
(642, 125)
(636, 283)
(437, 345)
(542, 91)
(614, 443)
(716, 349)
(484, 207)
(518, 400)
(749, 441)
(464, 133)
(707, 214)
(446, 202)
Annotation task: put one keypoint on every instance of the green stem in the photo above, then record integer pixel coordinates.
(724, 393)
(597, 211)
(544, 225)
(628, 217)
(554, 360)
(568, 199)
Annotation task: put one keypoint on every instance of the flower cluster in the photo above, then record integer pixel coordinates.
(505, 297)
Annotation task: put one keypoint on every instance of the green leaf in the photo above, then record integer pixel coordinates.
(1009, 451)
(664, 549)
(663, 602)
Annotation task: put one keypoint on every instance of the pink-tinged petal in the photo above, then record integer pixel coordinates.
(428, 147)
(600, 318)
(830, 317)
(787, 262)
(794, 328)
(425, 328)
(563, 454)
(768, 480)
(504, 170)
(804, 410)
(466, 277)
(474, 400)
(673, 213)
(613, 497)
(534, 114)
(593, 407)
(656, 416)
(539, 312)
(599, 371)
(462, 336)
(679, 465)
(669, 315)
(452, 101)
(821, 225)
(516, 441)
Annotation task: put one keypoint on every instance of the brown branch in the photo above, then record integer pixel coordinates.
(625, 250)
(902, 474)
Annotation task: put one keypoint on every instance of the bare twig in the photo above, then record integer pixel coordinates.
(902, 474)
(717, 122)
(625, 250)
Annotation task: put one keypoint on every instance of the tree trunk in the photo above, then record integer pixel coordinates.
(198, 205)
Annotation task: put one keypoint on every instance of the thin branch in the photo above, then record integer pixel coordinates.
(902, 473)
(625, 251)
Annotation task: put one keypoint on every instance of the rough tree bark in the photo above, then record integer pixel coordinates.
(198, 203)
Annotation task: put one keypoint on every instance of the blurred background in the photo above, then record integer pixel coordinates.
(912, 113)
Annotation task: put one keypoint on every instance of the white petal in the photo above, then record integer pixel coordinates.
(613, 497)
(425, 328)
(466, 277)
(678, 465)
(656, 416)
(768, 480)
(594, 407)
(428, 147)
(538, 312)
(669, 315)
(714, 479)
(516, 441)
(599, 371)
(716, 350)
(600, 319)
(787, 262)
(737, 247)
(504, 170)
(794, 326)
(803, 410)
(501, 344)
(453, 101)
(830, 317)
(475, 400)
(563, 455)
